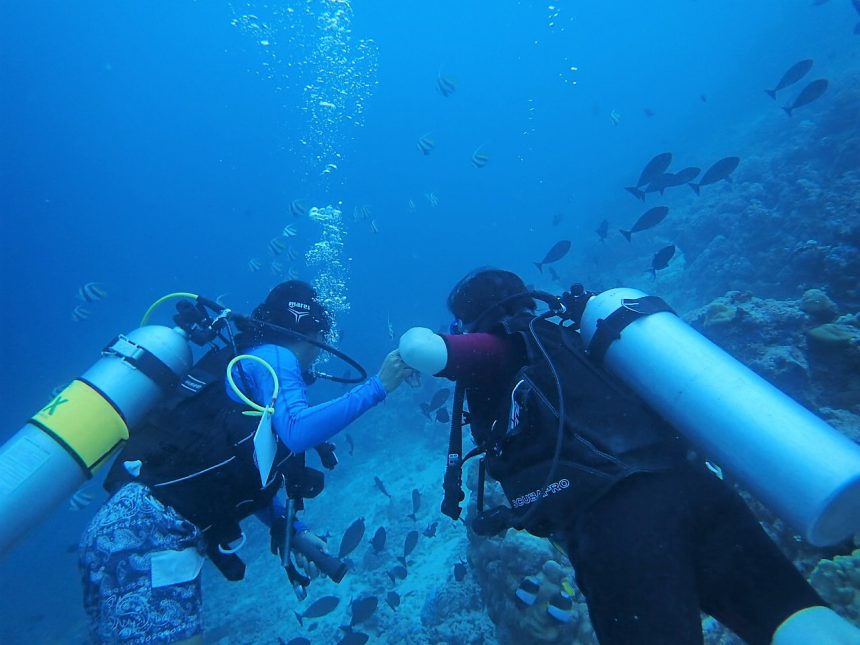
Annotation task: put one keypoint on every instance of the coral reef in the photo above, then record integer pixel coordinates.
(838, 582)
(501, 563)
(786, 342)
(818, 305)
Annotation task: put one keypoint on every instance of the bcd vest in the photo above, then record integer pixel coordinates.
(608, 432)
(198, 458)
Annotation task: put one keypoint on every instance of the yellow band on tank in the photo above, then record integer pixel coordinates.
(84, 422)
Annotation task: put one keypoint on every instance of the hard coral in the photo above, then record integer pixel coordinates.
(833, 336)
(838, 582)
(818, 305)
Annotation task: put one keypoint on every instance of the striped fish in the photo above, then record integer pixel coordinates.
(81, 499)
(80, 313)
(425, 144)
(446, 86)
(91, 292)
(479, 158)
(298, 208)
(277, 245)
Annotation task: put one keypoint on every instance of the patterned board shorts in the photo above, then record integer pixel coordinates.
(115, 562)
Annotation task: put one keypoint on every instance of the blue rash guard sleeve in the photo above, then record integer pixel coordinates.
(299, 425)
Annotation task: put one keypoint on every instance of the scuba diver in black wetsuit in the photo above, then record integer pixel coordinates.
(201, 464)
(654, 536)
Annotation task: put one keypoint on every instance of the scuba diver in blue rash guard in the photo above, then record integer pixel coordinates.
(193, 471)
(592, 461)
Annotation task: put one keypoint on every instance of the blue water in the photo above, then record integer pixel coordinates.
(155, 147)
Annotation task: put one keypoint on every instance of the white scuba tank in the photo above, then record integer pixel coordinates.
(794, 462)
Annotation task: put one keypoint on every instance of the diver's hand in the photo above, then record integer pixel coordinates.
(393, 371)
(311, 570)
(413, 379)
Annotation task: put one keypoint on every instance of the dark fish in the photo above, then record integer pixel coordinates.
(321, 607)
(378, 541)
(807, 95)
(442, 415)
(351, 538)
(703, 98)
(301, 640)
(602, 230)
(416, 503)
(794, 74)
(649, 219)
(354, 638)
(393, 599)
(397, 573)
(672, 179)
(445, 85)
(430, 531)
(648, 112)
(856, 4)
(657, 166)
(350, 443)
(557, 219)
(425, 144)
(381, 486)
(426, 409)
(661, 183)
(686, 175)
(661, 259)
(556, 253)
(460, 571)
(440, 398)
(409, 544)
(719, 171)
(362, 609)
